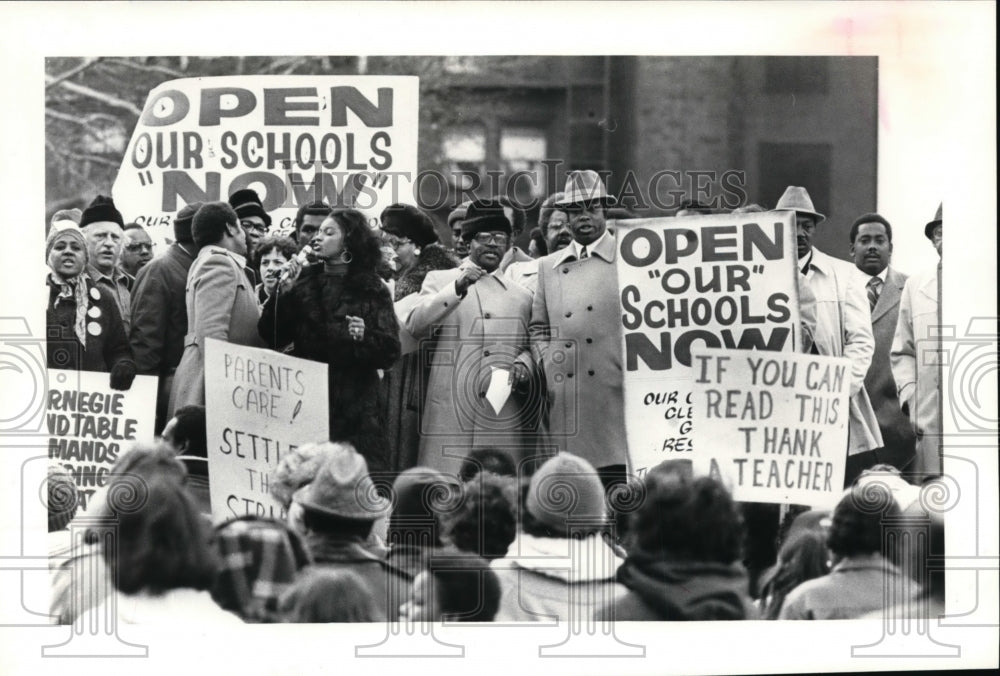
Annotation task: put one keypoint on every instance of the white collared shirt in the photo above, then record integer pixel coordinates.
(578, 248)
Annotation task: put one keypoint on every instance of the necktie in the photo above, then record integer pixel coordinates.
(583, 253)
(874, 289)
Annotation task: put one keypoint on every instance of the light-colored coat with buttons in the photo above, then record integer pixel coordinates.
(472, 335)
(576, 339)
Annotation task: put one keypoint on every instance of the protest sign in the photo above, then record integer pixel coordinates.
(718, 281)
(295, 139)
(259, 405)
(91, 425)
(778, 424)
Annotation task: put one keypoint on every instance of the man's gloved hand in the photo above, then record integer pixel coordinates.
(122, 374)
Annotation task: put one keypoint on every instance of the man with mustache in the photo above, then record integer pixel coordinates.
(871, 248)
(137, 249)
(478, 320)
(843, 323)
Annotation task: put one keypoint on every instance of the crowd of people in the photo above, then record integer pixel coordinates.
(476, 467)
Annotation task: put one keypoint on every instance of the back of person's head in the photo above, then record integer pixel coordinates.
(487, 459)
(260, 560)
(421, 494)
(328, 594)
(62, 497)
(466, 588)
(359, 239)
(190, 430)
(565, 498)
(209, 225)
(856, 528)
(485, 522)
(686, 518)
(162, 542)
(802, 557)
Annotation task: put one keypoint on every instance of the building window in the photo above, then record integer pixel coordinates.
(464, 149)
(522, 150)
(796, 74)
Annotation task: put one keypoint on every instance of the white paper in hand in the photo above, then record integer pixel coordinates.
(499, 390)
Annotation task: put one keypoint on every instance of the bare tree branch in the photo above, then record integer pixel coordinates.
(67, 118)
(108, 99)
(72, 72)
(153, 68)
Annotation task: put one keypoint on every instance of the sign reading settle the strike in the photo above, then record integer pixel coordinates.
(259, 405)
(91, 425)
(295, 139)
(778, 424)
(716, 281)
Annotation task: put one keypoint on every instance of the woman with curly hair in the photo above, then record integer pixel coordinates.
(270, 257)
(339, 312)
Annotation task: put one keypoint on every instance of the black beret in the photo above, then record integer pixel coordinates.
(406, 220)
(484, 216)
(210, 220)
(100, 210)
(247, 202)
(182, 222)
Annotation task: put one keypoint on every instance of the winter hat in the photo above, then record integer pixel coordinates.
(797, 199)
(484, 216)
(585, 186)
(566, 488)
(929, 228)
(71, 233)
(62, 497)
(405, 220)
(210, 220)
(182, 222)
(421, 493)
(458, 214)
(66, 218)
(343, 488)
(247, 202)
(100, 210)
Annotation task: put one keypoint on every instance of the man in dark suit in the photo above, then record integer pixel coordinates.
(871, 248)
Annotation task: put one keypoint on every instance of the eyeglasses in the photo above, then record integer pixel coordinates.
(259, 228)
(491, 238)
(395, 242)
(135, 248)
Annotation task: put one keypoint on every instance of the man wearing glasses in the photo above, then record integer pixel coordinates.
(481, 365)
(253, 219)
(137, 249)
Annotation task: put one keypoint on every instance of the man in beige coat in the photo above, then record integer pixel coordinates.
(220, 299)
(576, 334)
(914, 356)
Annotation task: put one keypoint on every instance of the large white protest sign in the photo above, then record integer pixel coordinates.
(716, 281)
(295, 139)
(259, 405)
(91, 425)
(778, 424)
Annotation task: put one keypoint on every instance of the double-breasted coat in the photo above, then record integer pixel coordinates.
(576, 340)
(915, 366)
(221, 304)
(486, 329)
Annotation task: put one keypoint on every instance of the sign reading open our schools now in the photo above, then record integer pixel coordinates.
(91, 425)
(717, 281)
(259, 405)
(295, 139)
(778, 424)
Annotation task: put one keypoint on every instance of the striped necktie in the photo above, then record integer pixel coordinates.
(874, 289)
(583, 253)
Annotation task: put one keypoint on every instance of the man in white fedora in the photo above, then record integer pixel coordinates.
(915, 361)
(843, 325)
(575, 334)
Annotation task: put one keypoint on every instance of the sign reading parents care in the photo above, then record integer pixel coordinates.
(703, 281)
(295, 139)
(259, 405)
(90, 425)
(778, 424)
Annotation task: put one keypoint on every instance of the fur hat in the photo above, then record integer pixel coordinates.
(484, 216)
(182, 222)
(929, 228)
(247, 202)
(342, 488)
(585, 186)
(797, 199)
(566, 488)
(405, 220)
(205, 225)
(102, 209)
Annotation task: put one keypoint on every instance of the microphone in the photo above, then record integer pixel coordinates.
(302, 257)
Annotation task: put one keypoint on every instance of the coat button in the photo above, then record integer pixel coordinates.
(446, 304)
(590, 307)
(565, 270)
(569, 344)
(568, 315)
(487, 315)
(569, 375)
(482, 395)
(590, 340)
(590, 372)
(486, 353)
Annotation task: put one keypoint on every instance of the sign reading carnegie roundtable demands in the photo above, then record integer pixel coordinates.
(717, 281)
(349, 140)
(778, 424)
(259, 405)
(91, 425)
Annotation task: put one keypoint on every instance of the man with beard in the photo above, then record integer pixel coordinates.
(843, 323)
(871, 247)
(554, 224)
(102, 225)
(137, 249)
(479, 320)
(915, 357)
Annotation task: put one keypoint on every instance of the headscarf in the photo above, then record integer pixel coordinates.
(75, 289)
